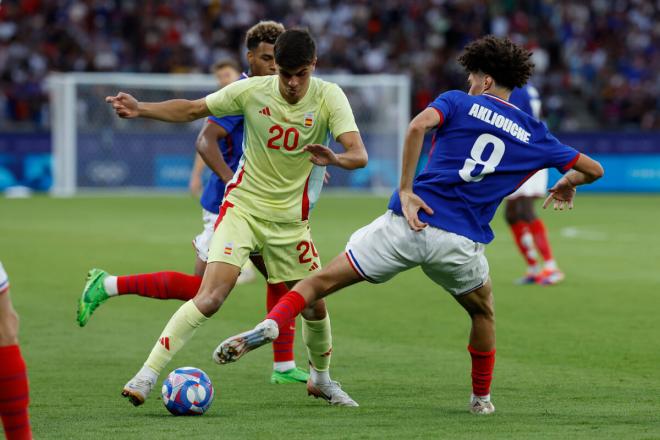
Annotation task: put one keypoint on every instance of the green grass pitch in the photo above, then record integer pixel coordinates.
(578, 360)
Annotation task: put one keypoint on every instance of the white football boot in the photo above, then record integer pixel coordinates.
(331, 392)
(480, 406)
(138, 388)
(233, 348)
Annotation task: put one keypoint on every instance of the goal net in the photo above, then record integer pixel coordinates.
(95, 150)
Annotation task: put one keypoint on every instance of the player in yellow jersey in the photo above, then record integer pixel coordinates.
(288, 121)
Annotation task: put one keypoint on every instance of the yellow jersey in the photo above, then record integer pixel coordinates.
(275, 180)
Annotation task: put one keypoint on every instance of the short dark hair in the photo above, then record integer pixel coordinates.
(506, 62)
(295, 48)
(227, 62)
(263, 32)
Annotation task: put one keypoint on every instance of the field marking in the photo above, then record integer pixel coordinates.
(580, 233)
(574, 232)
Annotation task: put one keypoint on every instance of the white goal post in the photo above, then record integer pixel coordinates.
(95, 150)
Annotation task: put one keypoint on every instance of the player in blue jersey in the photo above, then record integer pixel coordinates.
(226, 72)
(220, 145)
(528, 229)
(484, 147)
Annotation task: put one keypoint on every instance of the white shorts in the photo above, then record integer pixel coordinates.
(536, 186)
(4, 279)
(202, 241)
(388, 246)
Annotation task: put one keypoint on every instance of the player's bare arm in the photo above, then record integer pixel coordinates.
(207, 147)
(195, 181)
(412, 148)
(586, 170)
(354, 156)
(174, 110)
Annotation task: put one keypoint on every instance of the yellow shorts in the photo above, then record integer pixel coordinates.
(287, 248)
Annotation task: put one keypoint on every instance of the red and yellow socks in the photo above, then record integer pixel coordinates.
(14, 394)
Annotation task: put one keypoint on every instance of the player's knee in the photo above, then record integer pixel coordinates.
(9, 328)
(479, 304)
(315, 311)
(209, 301)
(484, 308)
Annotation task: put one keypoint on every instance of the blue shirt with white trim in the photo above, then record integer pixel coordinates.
(483, 149)
(231, 148)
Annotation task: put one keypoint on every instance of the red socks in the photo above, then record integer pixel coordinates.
(287, 309)
(160, 285)
(14, 394)
(483, 363)
(537, 228)
(283, 345)
(525, 242)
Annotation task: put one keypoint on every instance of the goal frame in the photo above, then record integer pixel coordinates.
(63, 89)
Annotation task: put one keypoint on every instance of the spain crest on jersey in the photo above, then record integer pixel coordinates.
(309, 119)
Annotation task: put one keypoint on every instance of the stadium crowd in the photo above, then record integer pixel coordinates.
(596, 60)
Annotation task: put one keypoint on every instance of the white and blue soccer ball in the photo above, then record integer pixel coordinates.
(187, 391)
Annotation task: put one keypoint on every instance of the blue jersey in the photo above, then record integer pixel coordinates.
(527, 99)
(231, 148)
(483, 149)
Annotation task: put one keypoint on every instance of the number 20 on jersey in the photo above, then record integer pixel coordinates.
(281, 138)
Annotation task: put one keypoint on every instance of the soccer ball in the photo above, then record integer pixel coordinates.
(187, 391)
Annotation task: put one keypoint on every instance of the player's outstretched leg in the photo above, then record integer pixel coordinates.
(479, 305)
(93, 295)
(101, 286)
(218, 281)
(336, 275)
(233, 348)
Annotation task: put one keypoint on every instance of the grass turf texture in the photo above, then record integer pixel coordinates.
(578, 360)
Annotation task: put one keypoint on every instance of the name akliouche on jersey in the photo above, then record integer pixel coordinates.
(493, 118)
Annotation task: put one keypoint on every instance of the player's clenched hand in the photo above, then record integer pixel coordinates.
(321, 155)
(410, 205)
(562, 195)
(124, 104)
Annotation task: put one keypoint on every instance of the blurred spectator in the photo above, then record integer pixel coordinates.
(597, 60)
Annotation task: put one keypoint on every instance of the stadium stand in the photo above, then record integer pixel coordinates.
(597, 60)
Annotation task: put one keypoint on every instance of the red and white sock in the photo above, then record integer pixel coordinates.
(283, 357)
(483, 363)
(287, 309)
(540, 235)
(525, 242)
(159, 285)
(14, 394)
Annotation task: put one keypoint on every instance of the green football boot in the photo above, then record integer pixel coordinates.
(93, 295)
(294, 375)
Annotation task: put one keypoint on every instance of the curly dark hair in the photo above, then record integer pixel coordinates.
(263, 32)
(506, 62)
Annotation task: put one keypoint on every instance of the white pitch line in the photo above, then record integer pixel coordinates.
(573, 232)
(580, 233)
